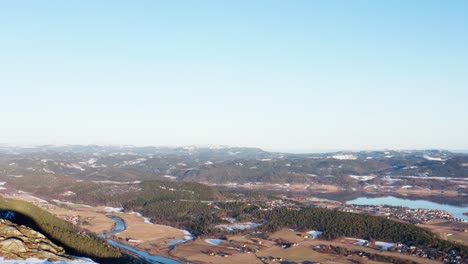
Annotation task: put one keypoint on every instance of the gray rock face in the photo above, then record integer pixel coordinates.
(20, 242)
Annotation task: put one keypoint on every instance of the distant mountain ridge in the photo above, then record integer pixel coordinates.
(224, 164)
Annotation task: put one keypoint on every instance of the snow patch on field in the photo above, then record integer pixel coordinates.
(68, 193)
(464, 164)
(37, 199)
(410, 167)
(133, 162)
(187, 237)
(75, 166)
(362, 178)
(361, 242)
(238, 226)
(91, 161)
(48, 171)
(113, 209)
(145, 219)
(391, 180)
(230, 219)
(407, 186)
(170, 177)
(15, 176)
(384, 245)
(314, 233)
(165, 188)
(214, 242)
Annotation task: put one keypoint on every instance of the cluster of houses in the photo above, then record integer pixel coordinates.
(273, 259)
(429, 253)
(452, 256)
(247, 248)
(414, 216)
(279, 203)
(220, 254)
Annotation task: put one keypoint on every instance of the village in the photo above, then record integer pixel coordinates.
(409, 215)
(413, 216)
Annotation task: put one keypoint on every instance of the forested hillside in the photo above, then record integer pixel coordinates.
(59, 231)
(339, 224)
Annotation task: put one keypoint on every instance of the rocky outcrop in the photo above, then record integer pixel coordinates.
(21, 242)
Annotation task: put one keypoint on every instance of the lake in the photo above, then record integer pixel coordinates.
(456, 211)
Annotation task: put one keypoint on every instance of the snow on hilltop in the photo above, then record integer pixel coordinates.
(344, 157)
(433, 158)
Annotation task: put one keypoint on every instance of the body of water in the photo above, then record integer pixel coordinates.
(456, 211)
(119, 227)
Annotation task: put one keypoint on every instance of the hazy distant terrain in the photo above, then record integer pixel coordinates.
(215, 190)
(339, 175)
(225, 164)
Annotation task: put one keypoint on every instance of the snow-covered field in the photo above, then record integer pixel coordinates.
(75, 166)
(187, 237)
(214, 242)
(390, 179)
(238, 226)
(384, 245)
(362, 178)
(359, 241)
(314, 233)
(113, 209)
(48, 171)
(133, 162)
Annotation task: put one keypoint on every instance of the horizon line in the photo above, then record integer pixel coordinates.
(221, 146)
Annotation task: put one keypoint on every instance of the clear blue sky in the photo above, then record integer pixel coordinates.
(283, 75)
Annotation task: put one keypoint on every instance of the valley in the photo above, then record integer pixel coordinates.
(231, 205)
